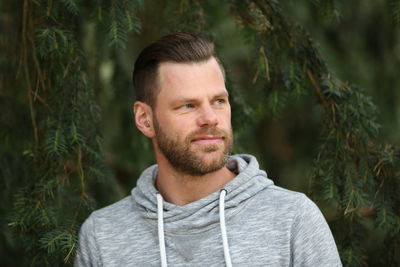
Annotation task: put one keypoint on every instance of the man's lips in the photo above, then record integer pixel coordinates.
(207, 140)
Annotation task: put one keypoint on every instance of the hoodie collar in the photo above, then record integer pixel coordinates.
(202, 214)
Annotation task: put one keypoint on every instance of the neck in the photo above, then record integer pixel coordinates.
(181, 189)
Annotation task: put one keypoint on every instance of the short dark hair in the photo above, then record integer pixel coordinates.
(176, 47)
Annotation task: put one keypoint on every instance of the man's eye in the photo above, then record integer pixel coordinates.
(186, 106)
(220, 101)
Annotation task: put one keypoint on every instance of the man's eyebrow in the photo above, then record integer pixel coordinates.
(222, 94)
(183, 100)
(187, 99)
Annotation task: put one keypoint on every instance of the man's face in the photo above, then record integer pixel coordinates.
(192, 118)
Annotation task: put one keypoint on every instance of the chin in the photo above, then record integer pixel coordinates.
(212, 156)
(209, 151)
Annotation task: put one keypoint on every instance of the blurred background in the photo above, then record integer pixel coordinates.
(314, 90)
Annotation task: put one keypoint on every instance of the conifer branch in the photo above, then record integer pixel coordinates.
(317, 88)
(25, 47)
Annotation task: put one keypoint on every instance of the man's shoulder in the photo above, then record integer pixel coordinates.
(117, 210)
(284, 195)
(287, 200)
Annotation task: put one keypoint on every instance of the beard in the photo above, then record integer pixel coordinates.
(190, 161)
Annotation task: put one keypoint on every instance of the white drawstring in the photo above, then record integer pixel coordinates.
(161, 240)
(223, 228)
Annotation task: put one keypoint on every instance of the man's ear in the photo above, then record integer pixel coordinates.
(144, 118)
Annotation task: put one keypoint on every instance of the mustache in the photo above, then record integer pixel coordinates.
(207, 131)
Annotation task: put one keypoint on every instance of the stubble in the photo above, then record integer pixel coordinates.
(188, 158)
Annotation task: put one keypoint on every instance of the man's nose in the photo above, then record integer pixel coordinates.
(207, 116)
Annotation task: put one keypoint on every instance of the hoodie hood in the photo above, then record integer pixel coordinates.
(202, 214)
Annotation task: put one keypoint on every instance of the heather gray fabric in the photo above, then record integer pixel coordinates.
(266, 226)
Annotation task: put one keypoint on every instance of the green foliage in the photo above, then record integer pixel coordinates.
(72, 6)
(59, 241)
(121, 20)
(55, 141)
(52, 41)
(396, 11)
(68, 144)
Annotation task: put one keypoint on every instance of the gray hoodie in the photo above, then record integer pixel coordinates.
(265, 226)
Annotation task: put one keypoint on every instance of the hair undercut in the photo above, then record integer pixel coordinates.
(176, 47)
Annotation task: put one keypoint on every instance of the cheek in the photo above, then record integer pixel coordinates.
(180, 125)
(179, 128)
(226, 117)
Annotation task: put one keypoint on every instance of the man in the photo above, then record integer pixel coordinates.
(199, 206)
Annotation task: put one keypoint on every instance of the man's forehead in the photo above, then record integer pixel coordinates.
(170, 68)
(191, 77)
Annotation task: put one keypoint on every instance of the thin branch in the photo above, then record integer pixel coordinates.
(317, 89)
(25, 45)
(81, 175)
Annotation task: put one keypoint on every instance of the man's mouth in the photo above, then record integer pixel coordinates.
(207, 140)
